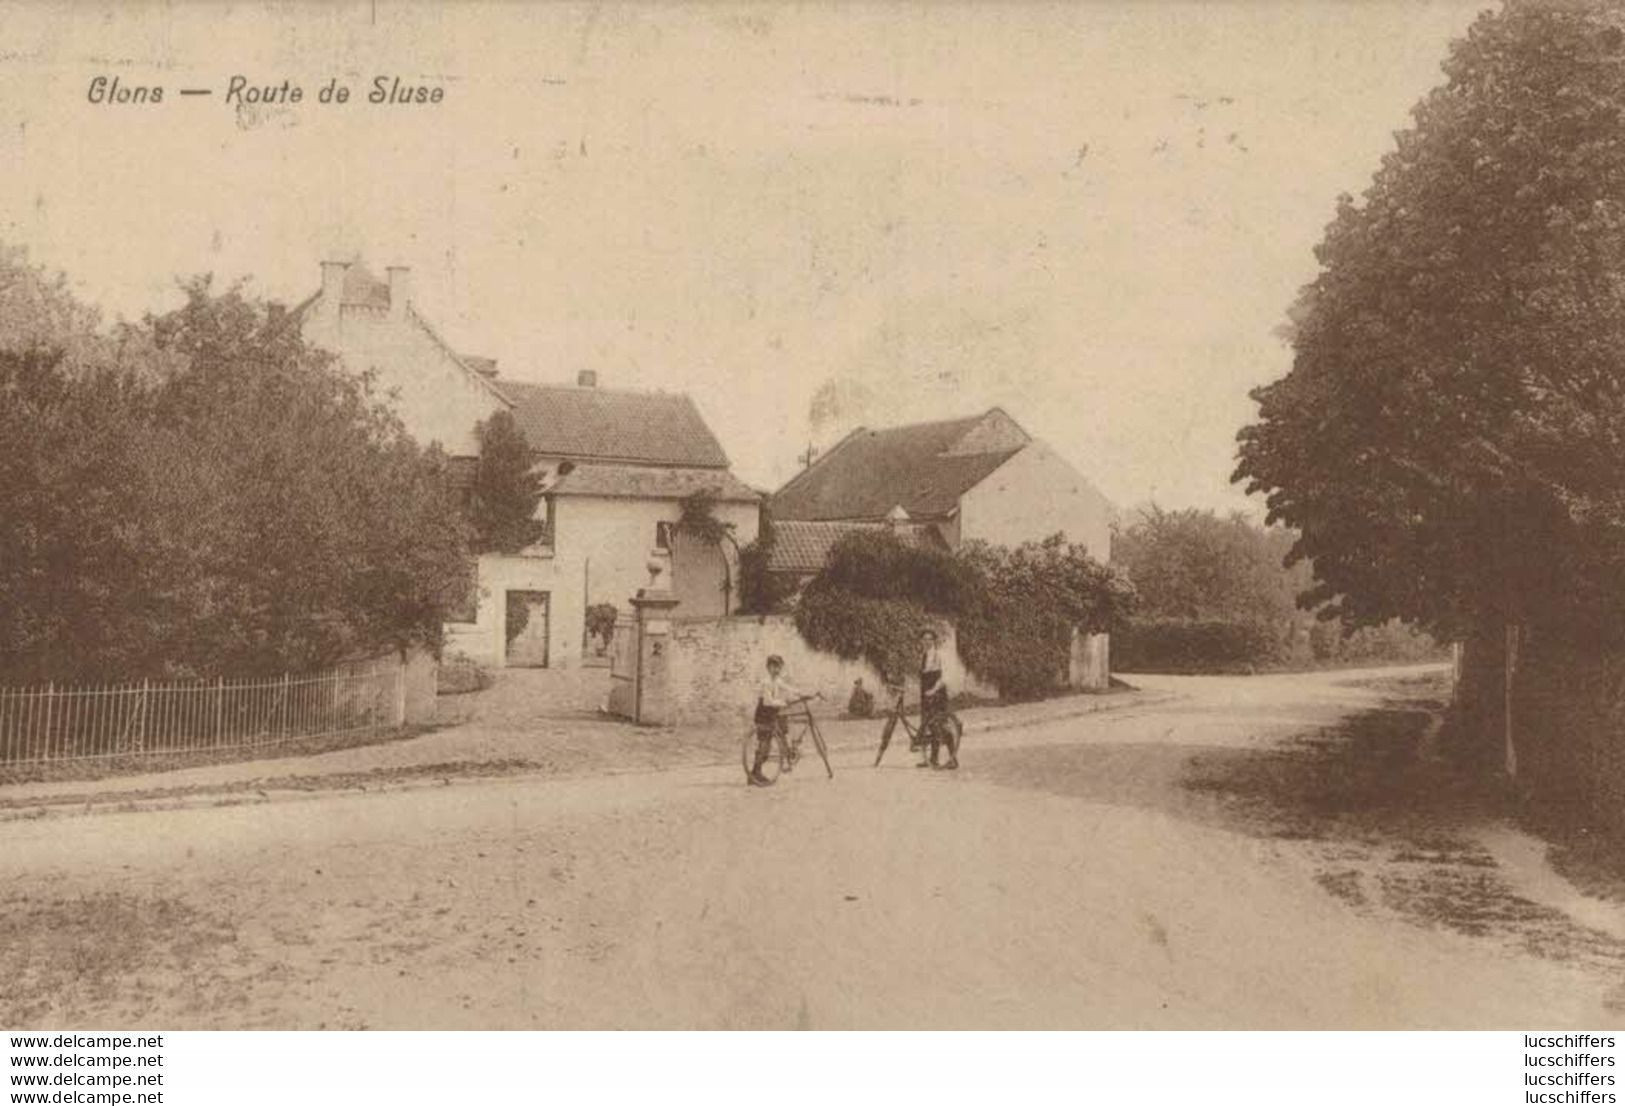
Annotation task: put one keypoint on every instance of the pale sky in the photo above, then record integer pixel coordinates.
(1093, 215)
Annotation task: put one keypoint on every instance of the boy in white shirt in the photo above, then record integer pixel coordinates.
(771, 698)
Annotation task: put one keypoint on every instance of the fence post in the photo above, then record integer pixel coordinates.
(286, 716)
(400, 690)
(141, 733)
(50, 694)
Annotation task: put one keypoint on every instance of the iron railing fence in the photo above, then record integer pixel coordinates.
(44, 725)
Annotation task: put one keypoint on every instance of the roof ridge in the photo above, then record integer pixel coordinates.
(555, 386)
(923, 423)
(618, 425)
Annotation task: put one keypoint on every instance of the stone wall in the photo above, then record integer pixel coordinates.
(717, 665)
(422, 680)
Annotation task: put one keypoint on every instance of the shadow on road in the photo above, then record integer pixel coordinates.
(1383, 827)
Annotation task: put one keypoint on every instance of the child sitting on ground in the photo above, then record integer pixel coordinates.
(862, 704)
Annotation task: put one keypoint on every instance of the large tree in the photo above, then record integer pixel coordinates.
(204, 494)
(1449, 441)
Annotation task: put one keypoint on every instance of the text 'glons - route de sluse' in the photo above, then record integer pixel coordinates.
(1564, 1068)
(240, 90)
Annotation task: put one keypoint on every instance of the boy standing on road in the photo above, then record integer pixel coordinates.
(771, 698)
(933, 703)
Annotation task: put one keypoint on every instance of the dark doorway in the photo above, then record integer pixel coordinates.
(527, 629)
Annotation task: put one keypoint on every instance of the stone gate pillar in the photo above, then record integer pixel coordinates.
(651, 685)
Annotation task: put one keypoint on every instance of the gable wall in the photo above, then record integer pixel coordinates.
(1031, 496)
(436, 399)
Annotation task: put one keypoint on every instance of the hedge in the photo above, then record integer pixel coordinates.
(1177, 645)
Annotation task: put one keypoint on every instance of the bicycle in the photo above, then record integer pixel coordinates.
(918, 739)
(799, 723)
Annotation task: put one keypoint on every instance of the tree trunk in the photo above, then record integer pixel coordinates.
(1477, 732)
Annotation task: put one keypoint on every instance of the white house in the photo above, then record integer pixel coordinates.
(617, 467)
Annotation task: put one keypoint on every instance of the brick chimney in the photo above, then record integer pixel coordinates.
(400, 290)
(587, 378)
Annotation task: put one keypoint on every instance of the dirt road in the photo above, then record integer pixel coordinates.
(1239, 857)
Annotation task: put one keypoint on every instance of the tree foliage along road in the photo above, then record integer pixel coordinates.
(1448, 442)
(203, 494)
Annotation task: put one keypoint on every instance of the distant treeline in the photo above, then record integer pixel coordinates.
(1215, 595)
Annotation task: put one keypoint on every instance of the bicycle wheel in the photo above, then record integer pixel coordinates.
(747, 756)
(823, 750)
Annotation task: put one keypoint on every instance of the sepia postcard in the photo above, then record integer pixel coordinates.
(716, 516)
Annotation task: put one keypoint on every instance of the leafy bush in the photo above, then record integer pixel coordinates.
(877, 564)
(1392, 642)
(460, 674)
(761, 591)
(1195, 645)
(697, 517)
(601, 619)
(884, 632)
(875, 596)
(1015, 608)
(1028, 601)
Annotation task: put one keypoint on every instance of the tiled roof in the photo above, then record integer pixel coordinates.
(650, 482)
(802, 547)
(652, 428)
(922, 468)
